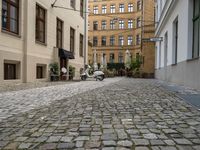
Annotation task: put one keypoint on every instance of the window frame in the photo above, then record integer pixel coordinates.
(112, 58)
(72, 40)
(61, 32)
(130, 40)
(95, 10)
(8, 17)
(121, 24)
(120, 57)
(104, 9)
(103, 24)
(112, 40)
(95, 25)
(43, 20)
(7, 73)
(103, 41)
(81, 45)
(138, 39)
(196, 19)
(95, 41)
(139, 5)
(121, 40)
(112, 9)
(121, 9)
(130, 23)
(130, 7)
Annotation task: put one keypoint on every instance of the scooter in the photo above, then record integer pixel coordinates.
(98, 75)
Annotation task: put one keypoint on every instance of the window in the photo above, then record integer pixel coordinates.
(72, 3)
(81, 8)
(95, 41)
(121, 24)
(95, 10)
(81, 46)
(138, 39)
(139, 5)
(40, 24)
(130, 40)
(9, 71)
(120, 57)
(103, 9)
(130, 23)
(138, 23)
(112, 9)
(112, 24)
(121, 40)
(72, 39)
(95, 25)
(196, 29)
(112, 57)
(88, 25)
(112, 40)
(121, 8)
(103, 25)
(59, 33)
(39, 72)
(137, 57)
(175, 40)
(130, 7)
(103, 41)
(10, 16)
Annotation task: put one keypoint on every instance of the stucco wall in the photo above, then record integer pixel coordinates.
(186, 73)
(24, 44)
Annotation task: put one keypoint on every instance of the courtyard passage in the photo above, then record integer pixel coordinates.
(115, 114)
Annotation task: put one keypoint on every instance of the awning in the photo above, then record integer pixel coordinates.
(65, 54)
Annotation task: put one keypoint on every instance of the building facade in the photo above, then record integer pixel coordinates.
(177, 55)
(116, 26)
(35, 34)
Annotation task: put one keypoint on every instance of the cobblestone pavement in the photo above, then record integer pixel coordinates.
(15, 102)
(123, 114)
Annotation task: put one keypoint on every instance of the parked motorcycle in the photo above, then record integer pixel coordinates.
(98, 75)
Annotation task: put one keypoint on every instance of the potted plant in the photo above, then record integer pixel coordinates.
(71, 72)
(54, 71)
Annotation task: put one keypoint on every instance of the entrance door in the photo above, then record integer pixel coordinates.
(63, 63)
(165, 54)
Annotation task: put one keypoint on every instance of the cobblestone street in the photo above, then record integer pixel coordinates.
(118, 113)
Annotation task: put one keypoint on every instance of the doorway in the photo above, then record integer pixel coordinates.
(63, 63)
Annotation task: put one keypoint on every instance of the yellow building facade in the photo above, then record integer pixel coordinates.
(116, 26)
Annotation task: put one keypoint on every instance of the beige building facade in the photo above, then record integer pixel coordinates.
(35, 34)
(116, 26)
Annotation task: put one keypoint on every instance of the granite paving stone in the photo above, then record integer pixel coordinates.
(115, 114)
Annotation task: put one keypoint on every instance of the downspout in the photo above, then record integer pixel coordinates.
(25, 44)
(85, 32)
(142, 31)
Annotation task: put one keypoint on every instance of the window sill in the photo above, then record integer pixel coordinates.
(10, 33)
(38, 42)
(192, 59)
(12, 80)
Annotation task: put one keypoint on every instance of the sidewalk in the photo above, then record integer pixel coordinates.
(23, 86)
(189, 95)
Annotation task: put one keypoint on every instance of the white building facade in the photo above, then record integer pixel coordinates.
(177, 55)
(34, 34)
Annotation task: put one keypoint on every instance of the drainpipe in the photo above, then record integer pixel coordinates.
(25, 38)
(85, 32)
